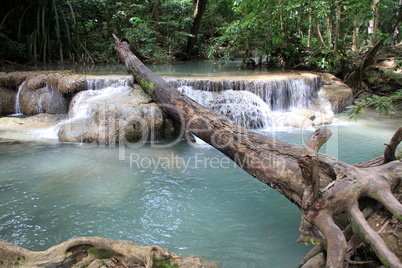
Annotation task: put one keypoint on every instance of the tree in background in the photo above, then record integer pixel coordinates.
(283, 30)
(200, 7)
(317, 34)
(49, 31)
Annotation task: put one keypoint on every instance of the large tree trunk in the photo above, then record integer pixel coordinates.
(324, 188)
(200, 7)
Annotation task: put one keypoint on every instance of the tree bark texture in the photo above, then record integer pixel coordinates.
(200, 7)
(324, 188)
(96, 252)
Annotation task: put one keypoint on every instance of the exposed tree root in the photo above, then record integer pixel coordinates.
(325, 189)
(312, 253)
(343, 196)
(82, 251)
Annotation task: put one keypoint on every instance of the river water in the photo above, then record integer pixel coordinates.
(188, 198)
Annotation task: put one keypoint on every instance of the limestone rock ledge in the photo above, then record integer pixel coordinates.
(336, 92)
(127, 115)
(97, 252)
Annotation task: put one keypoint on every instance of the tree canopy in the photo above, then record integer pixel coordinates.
(280, 31)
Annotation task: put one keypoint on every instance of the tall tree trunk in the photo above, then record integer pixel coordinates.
(322, 187)
(155, 9)
(200, 7)
(299, 24)
(338, 27)
(320, 38)
(373, 23)
(280, 15)
(310, 27)
(355, 36)
(329, 29)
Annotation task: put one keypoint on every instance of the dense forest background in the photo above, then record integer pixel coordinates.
(326, 35)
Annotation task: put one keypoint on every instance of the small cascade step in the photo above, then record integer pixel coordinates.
(279, 93)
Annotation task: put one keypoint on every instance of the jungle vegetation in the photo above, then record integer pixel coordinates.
(332, 33)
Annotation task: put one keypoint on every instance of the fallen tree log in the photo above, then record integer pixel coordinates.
(327, 191)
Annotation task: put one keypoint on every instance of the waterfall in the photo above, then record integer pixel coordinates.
(278, 92)
(243, 107)
(100, 82)
(99, 87)
(17, 99)
(258, 102)
(83, 102)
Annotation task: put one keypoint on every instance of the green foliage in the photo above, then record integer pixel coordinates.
(46, 31)
(164, 264)
(11, 48)
(103, 253)
(264, 27)
(385, 105)
(326, 59)
(163, 34)
(49, 32)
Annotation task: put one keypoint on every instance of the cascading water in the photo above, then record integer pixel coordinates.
(98, 88)
(17, 99)
(246, 101)
(85, 103)
(243, 107)
(151, 204)
(100, 82)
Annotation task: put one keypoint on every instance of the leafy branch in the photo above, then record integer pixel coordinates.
(386, 105)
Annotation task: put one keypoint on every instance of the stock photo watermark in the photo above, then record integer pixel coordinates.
(111, 130)
(201, 161)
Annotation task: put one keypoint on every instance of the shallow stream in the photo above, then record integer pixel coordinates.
(188, 198)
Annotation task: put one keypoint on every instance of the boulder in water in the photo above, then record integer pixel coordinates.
(63, 82)
(336, 92)
(115, 114)
(71, 84)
